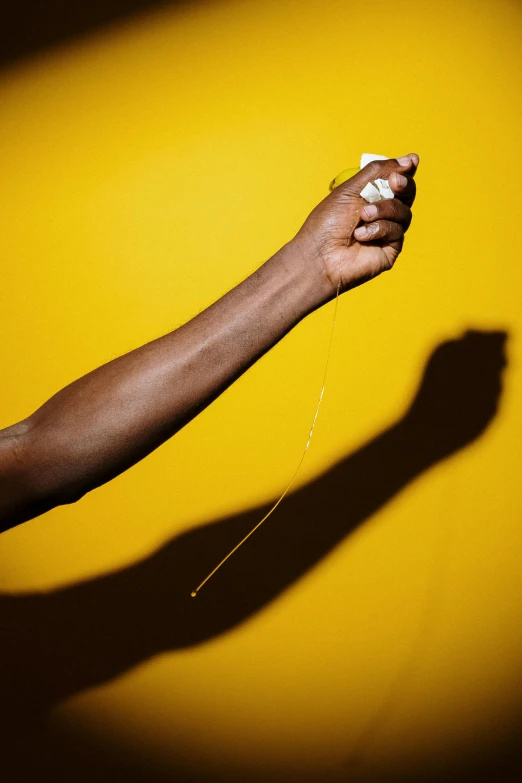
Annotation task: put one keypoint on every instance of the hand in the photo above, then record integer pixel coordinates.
(328, 236)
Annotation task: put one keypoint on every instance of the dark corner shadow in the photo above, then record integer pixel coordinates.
(28, 27)
(57, 644)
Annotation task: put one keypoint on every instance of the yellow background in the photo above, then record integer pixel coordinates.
(145, 171)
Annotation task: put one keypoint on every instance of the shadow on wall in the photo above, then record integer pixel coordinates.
(59, 643)
(28, 27)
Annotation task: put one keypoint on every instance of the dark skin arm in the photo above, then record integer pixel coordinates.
(103, 423)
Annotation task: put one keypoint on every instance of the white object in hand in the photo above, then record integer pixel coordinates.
(367, 157)
(378, 190)
(371, 193)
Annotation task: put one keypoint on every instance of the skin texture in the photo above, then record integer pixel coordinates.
(103, 423)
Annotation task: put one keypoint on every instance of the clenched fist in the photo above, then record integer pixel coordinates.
(354, 241)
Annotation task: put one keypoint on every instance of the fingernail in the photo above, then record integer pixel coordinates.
(361, 232)
(402, 181)
(404, 161)
(370, 211)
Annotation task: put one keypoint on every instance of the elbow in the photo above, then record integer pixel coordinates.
(49, 467)
(19, 500)
(31, 483)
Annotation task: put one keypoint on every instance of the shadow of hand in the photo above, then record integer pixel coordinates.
(459, 392)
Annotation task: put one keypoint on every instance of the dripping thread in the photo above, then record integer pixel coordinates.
(271, 511)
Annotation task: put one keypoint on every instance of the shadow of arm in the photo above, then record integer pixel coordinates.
(92, 632)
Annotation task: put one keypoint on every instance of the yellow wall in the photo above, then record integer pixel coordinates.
(148, 169)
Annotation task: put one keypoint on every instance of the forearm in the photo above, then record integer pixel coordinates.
(103, 423)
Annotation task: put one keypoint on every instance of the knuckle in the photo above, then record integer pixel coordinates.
(402, 213)
(396, 231)
(400, 209)
(373, 169)
(395, 208)
(385, 229)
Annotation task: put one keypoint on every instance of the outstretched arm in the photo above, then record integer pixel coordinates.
(111, 418)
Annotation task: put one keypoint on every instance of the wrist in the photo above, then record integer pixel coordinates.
(306, 275)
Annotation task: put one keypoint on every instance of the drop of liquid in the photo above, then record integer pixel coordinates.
(194, 594)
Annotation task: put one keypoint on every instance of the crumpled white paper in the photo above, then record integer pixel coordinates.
(380, 188)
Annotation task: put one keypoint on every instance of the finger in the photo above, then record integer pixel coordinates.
(388, 209)
(411, 160)
(382, 229)
(403, 186)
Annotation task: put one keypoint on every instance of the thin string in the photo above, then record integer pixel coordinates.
(271, 511)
